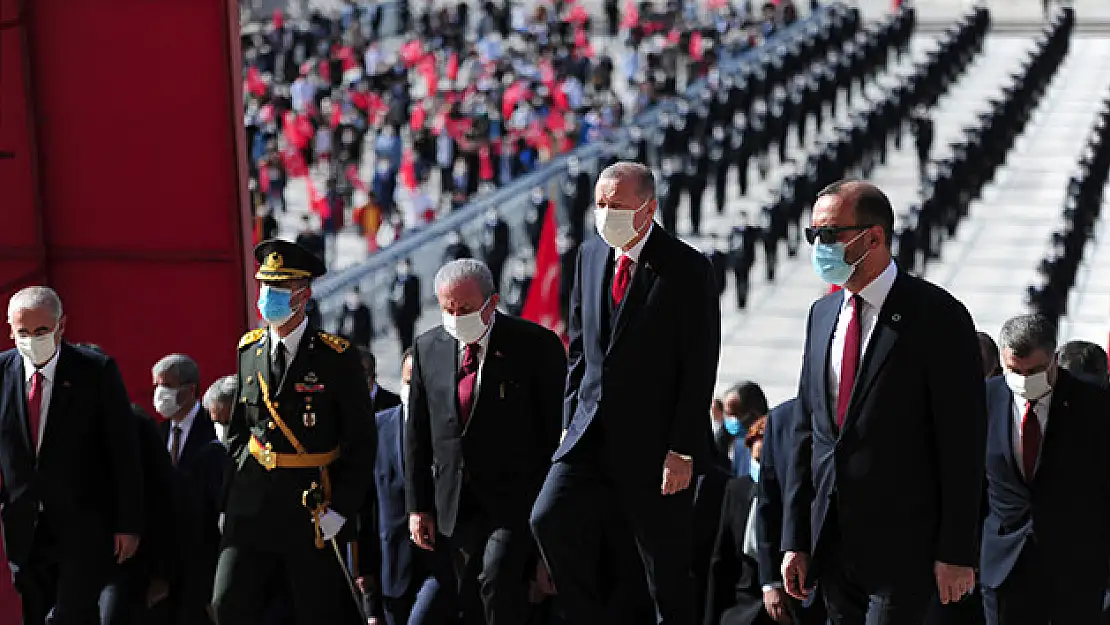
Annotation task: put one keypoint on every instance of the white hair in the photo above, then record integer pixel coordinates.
(464, 269)
(178, 366)
(221, 393)
(33, 298)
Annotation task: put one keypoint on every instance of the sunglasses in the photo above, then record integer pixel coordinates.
(829, 234)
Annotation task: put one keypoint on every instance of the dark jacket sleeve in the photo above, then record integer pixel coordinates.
(720, 589)
(768, 525)
(353, 473)
(419, 486)
(576, 359)
(551, 374)
(796, 472)
(957, 394)
(157, 540)
(699, 351)
(122, 442)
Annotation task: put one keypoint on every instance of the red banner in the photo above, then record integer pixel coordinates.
(542, 302)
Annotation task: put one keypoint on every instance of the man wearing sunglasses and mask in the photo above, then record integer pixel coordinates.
(302, 437)
(883, 488)
(484, 412)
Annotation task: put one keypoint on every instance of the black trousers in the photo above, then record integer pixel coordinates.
(1034, 594)
(851, 600)
(568, 517)
(63, 582)
(315, 582)
(719, 182)
(696, 192)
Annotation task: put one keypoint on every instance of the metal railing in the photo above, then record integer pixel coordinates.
(425, 247)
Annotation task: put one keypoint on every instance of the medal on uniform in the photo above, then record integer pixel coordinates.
(309, 419)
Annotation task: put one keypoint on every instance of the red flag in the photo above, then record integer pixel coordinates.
(317, 202)
(407, 173)
(453, 67)
(542, 302)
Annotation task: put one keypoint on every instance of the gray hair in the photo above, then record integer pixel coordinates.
(1083, 358)
(1026, 334)
(636, 173)
(34, 297)
(462, 270)
(222, 392)
(178, 366)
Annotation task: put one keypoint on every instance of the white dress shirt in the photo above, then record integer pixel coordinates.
(633, 252)
(292, 341)
(483, 348)
(1040, 406)
(185, 425)
(48, 377)
(874, 295)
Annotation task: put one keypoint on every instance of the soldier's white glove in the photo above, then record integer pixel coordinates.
(330, 524)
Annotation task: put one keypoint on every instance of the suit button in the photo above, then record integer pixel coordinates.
(271, 425)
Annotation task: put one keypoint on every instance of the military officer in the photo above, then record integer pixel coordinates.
(302, 436)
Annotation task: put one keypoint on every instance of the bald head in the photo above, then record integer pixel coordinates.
(868, 202)
(637, 176)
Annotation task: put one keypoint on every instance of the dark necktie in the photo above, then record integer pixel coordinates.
(849, 361)
(621, 278)
(1030, 441)
(468, 379)
(279, 363)
(175, 448)
(34, 407)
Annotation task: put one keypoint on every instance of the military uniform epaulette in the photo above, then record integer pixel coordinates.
(252, 337)
(337, 343)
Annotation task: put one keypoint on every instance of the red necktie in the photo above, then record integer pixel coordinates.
(622, 278)
(1030, 441)
(468, 378)
(34, 407)
(849, 362)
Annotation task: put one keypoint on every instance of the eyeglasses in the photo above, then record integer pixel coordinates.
(829, 234)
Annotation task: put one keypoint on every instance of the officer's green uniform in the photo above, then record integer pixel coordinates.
(323, 434)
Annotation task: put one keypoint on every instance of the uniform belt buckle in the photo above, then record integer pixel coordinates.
(269, 460)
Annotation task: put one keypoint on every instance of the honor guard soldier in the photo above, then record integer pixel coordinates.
(302, 437)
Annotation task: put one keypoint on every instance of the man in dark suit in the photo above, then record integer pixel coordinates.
(382, 399)
(396, 576)
(885, 478)
(1046, 553)
(71, 498)
(644, 339)
(355, 321)
(483, 422)
(776, 450)
(1086, 361)
(404, 303)
(302, 437)
(201, 469)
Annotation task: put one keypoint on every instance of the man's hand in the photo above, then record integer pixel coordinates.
(795, 567)
(774, 601)
(954, 582)
(422, 530)
(126, 546)
(677, 471)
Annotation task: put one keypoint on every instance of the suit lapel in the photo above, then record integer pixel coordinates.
(445, 372)
(643, 279)
(61, 392)
(491, 376)
(1003, 401)
(888, 327)
(16, 397)
(1058, 416)
(200, 434)
(598, 297)
(824, 324)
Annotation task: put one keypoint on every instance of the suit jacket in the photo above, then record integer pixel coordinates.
(503, 451)
(1066, 509)
(325, 403)
(157, 551)
(776, 449)
(735, 595)
(356, 325)
(86, 483)
(199, 479)
(905, 473)
(649, 367)
(385, 399)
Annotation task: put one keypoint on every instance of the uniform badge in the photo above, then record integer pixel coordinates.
(309, 419)
(308, 388)
(311, 378)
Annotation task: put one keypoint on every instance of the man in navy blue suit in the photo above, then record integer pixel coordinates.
(396, 575)
(644, 330)
(1046, 551)
(885, 480)
(774, 460)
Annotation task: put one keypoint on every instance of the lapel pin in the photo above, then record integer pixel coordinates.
(896, 317)
(310, 377)
(65, 383)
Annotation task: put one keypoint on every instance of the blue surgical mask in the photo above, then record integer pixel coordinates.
(753, 470)
(274, 304)
(732, 426)
(829, 263)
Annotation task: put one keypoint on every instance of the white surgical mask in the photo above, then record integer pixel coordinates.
(1028, 387)
(37, 349)
(617, 226)
(165, 401)
(466, 329)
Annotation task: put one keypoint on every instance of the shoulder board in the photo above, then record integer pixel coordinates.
(337, 343)
(252, 337)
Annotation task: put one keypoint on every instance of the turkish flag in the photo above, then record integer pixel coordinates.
(542, 303)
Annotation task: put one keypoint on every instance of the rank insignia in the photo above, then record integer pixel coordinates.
(308, 388)
(310, 377)
(309, 419)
